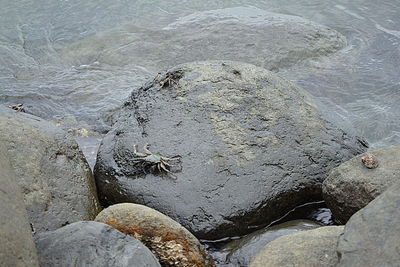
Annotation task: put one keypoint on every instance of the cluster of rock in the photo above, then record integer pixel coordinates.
(364, 194)
(217, 128)
(205, 150)
(366, 198)
(251, 146)
(370, 238)
(49, 192)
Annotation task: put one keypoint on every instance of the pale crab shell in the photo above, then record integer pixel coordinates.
(153, 158)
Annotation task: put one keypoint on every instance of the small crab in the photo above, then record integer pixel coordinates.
(170, 79)
(153, 162)
(18, 107)
(369, 161)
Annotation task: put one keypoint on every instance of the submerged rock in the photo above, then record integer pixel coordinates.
(247, 34)
(92, 244)
(242, 251)
(16, 244)
(91, 58)
(252, 146)
(167, 239)
(309, 248)
(55, 179)
(371, 236)
(352, 185)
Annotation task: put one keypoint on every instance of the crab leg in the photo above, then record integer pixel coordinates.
(165, 164)
(174, 158)
(161, 164)
(166, 170)
(159, 167)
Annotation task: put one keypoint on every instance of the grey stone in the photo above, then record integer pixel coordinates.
(247, 34)
(56, 181)
(16, 244)
(242, 251)
(351, 186)
(173, 245)
(92, 244)
(372, 235)
(312, 248)
(252, 147)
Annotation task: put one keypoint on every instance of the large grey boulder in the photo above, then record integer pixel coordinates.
(92, 244)
(372, 236)
(247, 34)
(312, 248)
(173, 245)
(243, 250)
(351, 186)
(55, 179)
(16, 244)
(252, 146)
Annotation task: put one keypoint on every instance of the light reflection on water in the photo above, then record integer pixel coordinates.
(359, 84)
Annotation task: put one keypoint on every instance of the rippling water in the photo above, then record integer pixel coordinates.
(71, 62)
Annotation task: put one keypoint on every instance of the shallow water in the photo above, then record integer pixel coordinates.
(50, 63)
(313, 211)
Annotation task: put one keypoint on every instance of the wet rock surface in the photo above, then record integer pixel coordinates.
(242, 251)
(16, 244)
(352, 185)
(247, 34)
(55, 179)
(168, 240)
(309, 248)
(251, 144)
(92, 244)
(371, 236)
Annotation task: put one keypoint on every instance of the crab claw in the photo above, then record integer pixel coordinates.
(138, 154)
(146, 149)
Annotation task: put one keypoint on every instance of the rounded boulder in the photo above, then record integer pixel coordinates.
(309, 248)
(371, 236)
(92, 244)
(353, 184)
(242, 251)
(172, 244)
(54, 176)
(242, 147)
(16, 244)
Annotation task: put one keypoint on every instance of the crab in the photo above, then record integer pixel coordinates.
(170, 79)
(153, 162)
(18, 107)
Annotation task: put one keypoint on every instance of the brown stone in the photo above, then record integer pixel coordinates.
(168, 240)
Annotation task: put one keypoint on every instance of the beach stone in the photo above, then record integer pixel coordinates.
(243, 250)
(16, 244)
(309, 248)
(352, 185)
(371, 236)
(252, 146)
(168, 240)
(249, 34)
(92, 244)
(55, 179)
